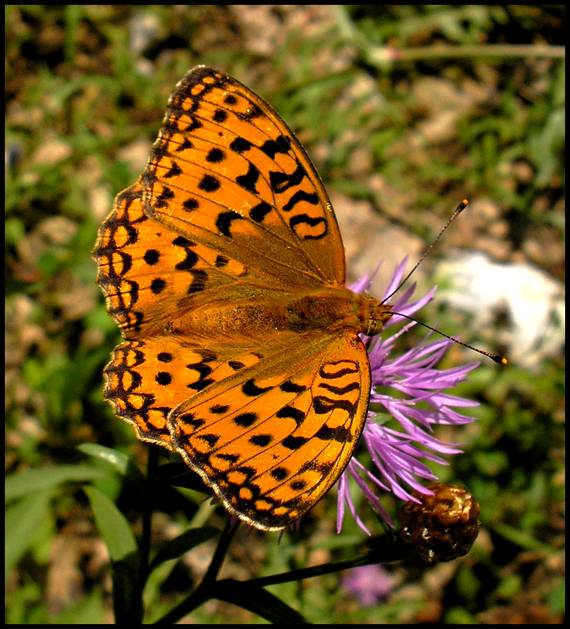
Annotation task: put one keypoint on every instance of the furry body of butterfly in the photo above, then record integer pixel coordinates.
(262, 312)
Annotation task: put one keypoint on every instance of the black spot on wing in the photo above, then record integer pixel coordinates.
(291, 412)
(249, 180)
(151, 256)
(215, 155)
(301, 195)
(281, 144)
(353, 386)
(173, 171)
(157, 285)
(245, 419)
(190, 204)
(224, 222)
(323, 405)
(252, 390)
(339, 433)
(240, 145)
(312, 222)
(291, 387)
(293, 443)
(209, 183)
(219, 409)
(280, 181)
(261, 440)
(184, 145)
(279, 473)
(210, 439)
(260, 211)
(164, 197)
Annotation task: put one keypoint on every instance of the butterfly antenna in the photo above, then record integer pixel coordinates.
(461, 206)
(501, 360)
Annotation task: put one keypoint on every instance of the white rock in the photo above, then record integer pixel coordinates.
(533, 300)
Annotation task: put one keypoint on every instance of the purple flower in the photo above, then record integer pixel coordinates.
(408, 398)
(368, 584)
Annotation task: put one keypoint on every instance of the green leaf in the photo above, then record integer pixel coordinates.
(257, 600)
(115, 458)
(120, 540)
(113, 526)
(119, 461)
(32, 481)
(521, 538)
(21, 520)
(183, 543)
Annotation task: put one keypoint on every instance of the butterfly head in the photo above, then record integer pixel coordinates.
(375, 315)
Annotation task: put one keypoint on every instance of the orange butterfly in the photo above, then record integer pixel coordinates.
(224, 268)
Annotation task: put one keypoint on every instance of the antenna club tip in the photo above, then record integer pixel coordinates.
(462, 205)
(501, 360)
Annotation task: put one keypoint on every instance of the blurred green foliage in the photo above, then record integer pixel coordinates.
(86, 87)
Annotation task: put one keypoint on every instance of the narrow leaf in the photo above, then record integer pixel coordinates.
(119, 461)
(183, 543)
(43, 478)
(120, 540)
(257, 600)
(115, 458)
(21, 520)
(113, 526)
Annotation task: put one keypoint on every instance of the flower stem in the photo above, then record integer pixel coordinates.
(387, 550)
(144, 547)
(205, 589)
(381, 56)
(152, 462)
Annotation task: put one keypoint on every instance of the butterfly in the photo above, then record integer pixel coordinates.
(224, 268)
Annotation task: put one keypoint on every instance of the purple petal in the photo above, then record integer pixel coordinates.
(412, 392)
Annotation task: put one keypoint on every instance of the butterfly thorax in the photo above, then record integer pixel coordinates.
(254, 312)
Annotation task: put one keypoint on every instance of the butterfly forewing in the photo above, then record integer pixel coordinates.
(146, 269)
(227, 172)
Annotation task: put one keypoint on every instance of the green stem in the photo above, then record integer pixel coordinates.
(390, 550)
(205, 589)
(221, 549)
(384, 55)
(152, 463)
(380, 55)
(144, 548)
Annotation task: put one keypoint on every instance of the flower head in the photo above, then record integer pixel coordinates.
(408, 398)
(368, 584)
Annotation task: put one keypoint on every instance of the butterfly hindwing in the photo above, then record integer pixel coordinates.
(272, 442)
(146, 379)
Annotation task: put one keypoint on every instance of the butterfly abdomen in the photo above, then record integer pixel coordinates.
(335, 309)
(330, 309)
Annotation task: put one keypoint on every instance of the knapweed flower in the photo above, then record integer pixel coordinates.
(408, 398)
(368, 584)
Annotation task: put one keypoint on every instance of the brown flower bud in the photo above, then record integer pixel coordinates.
(444, 526)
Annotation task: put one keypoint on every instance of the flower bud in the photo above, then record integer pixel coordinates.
(444, 526)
